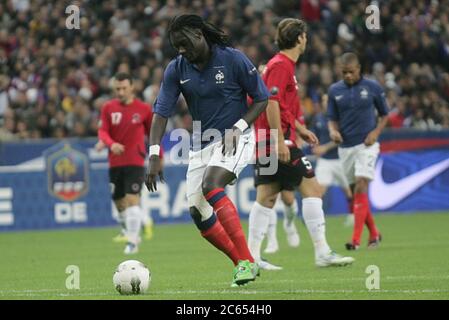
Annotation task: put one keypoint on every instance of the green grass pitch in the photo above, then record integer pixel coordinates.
(413, 261)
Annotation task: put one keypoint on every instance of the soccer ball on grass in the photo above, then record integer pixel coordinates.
(131, 277)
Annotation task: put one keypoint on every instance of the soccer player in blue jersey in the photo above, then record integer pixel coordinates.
(215, 80)
(357, 113)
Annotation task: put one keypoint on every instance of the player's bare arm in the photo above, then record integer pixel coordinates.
(230, 142)
(154, 163)
(307, 135)
(374, 135)
(334, 132)
(274, 121)
(322, 149)
(255, 110)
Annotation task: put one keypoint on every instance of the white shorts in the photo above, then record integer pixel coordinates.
(329, 172)
(359, 161)
(212, 156)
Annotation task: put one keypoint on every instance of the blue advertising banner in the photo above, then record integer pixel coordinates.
(407, 181)
(51, 184)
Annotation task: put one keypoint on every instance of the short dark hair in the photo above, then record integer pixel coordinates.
(349, 57)
(123, 76)
(288, 31)
(213, 34)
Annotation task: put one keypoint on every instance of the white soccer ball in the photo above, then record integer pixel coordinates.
(131, 277)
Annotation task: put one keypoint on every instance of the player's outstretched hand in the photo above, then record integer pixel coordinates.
(231, 141)
(309, 137)
(154, 170)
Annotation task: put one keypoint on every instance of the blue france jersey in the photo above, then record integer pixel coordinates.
(319, 127)
(353, 107)
(217, 95)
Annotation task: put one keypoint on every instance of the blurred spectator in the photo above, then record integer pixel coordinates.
(310, 10)
(397, 114)
(53, 80)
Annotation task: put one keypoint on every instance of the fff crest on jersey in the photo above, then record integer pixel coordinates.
(67, 171)
(219, 77)
(364, 93)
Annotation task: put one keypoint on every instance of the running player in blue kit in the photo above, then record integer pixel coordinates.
(357, 112)
(215, 80)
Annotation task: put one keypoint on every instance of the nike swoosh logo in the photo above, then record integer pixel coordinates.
(385, 195)
(184, 81)
(338, 97)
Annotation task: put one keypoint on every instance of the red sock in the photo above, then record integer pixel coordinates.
(218, 237)
(228, 216)
(369, 221)
(360, 211)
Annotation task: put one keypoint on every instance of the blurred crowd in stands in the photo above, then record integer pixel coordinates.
(54, 80)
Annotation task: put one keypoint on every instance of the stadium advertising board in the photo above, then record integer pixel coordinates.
(54, 184)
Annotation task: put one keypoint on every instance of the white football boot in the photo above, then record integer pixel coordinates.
(265, 265)
(333, 259)
(132, 247)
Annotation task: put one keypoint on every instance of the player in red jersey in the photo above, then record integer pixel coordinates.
(125, 122)
(294, 170)
(289, 203)
(290, 206)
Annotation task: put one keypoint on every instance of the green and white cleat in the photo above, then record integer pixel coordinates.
(244, 272)
(255, 269)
